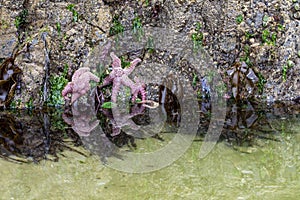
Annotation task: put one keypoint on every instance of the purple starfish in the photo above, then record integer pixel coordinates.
(119, 77)
(80, 84)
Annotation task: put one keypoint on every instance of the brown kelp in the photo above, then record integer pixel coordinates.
(243, 81)
(9, 73)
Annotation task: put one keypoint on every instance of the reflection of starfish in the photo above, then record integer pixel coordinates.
(80, 84)
(121, 118)
(84, 119)
(119, 77)
(82, 123)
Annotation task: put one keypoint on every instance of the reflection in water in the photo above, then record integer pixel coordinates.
(244, 123)
(104, 132)
(29, 137)
(82, 119)
(268, 170)
(33, 136)
(248, 121)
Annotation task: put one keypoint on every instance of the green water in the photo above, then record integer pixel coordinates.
(267, 170)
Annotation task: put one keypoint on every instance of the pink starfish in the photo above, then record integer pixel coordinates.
(138, 87)
(80, 84)
(119, 77)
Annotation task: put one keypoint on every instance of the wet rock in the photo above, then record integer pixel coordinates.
(7, 32)
(7, 43)
(104, 18)
(32, 64)
(228, 44)
(224, 39)
(258, 20)
(213, 14)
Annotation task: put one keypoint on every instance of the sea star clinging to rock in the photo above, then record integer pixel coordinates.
(80, 84)
(138, 87)
(119, 77)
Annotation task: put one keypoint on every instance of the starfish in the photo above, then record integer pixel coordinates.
(138, 87)
(80, 84)
(119, 77)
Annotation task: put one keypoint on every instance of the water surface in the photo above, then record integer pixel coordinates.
(266, 169)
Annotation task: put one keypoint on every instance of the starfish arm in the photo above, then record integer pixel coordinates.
(82, 83)
(134, 96)
(107, 81)
(67, 119)
(105, 50)
(136, 91)
(67, 90)
(132, 66)
(81, 86)
(143, 93)
(79, 72)
(75, 96)
(115, 90)
(116, 61)
(138, 87)
(93, 77)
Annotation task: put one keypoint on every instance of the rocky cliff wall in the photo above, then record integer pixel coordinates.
(59, 34)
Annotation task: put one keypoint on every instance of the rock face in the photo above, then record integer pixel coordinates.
(63, 33)
(57, 35)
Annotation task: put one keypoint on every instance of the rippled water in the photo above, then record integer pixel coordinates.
(268, 169)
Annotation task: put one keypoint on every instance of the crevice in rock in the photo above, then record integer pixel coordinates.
(46, 67)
